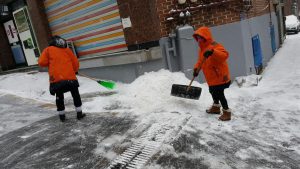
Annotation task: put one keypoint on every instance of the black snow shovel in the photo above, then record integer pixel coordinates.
(188, 92)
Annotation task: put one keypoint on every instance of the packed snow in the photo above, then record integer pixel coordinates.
(266, 108)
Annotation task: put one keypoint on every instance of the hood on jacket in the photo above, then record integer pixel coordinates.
(205, 33)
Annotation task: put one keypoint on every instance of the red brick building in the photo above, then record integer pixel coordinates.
(291, 7)
(149, 16)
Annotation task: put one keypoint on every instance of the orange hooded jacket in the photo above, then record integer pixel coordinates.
(62, 63)
(215, 67)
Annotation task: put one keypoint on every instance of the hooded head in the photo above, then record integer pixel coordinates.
(205, 36)
(58, 42)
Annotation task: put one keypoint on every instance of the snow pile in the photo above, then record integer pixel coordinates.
(36, 86)
(149, 93)
(248, 81)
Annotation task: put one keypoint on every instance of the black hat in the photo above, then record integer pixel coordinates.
(58, 42)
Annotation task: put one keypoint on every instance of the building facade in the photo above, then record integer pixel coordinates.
(121, 39)
(252, 31)
(291, 7)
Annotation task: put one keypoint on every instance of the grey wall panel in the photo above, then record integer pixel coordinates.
(247, 47)
(153, 65)
(169, 53)
(187, 49)
(236, 37)
(124, 73)
(231, 37)
(263, 30)
(275, 23)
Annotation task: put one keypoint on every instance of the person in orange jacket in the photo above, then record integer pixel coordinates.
(212, 60)
(62, 67)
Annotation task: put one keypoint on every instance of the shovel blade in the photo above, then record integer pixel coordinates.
(107, 84)
(181, 91)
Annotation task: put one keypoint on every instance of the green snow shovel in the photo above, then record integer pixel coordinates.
(106, 84)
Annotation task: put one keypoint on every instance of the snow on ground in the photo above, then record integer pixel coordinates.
(268, 113)
(36, 86)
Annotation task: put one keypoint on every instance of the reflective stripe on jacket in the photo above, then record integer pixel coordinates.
(215, 68)
(61, 62)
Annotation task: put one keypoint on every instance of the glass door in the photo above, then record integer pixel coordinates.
(26, 35)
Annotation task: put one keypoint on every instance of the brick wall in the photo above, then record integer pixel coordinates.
(39, 21)
(6, 57)
(144, 18)
(288, 7)
(208, 15)
(260, 7)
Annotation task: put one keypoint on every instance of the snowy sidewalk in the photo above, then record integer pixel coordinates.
(17, 112)
(263, 133)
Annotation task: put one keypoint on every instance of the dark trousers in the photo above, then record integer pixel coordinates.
(60, 99)
(217, 93)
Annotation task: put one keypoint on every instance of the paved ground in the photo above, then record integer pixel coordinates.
(48, 143)
(97, 140)
(51, 144)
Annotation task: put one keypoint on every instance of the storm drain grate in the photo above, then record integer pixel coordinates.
(136, 156)
(148, 144)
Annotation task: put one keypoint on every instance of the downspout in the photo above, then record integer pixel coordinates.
(270, 13)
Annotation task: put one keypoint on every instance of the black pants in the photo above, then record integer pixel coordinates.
(62, 87)
(217, 93)
(60, 99)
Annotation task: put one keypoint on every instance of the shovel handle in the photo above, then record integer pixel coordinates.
(189, 87)
(87, 76)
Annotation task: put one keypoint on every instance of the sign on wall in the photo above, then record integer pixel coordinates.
(126, 22)
(11, 32)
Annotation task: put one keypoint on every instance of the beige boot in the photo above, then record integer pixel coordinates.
(214, 109)
(226, 116)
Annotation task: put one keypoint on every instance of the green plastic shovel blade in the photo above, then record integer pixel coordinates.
(109, 85)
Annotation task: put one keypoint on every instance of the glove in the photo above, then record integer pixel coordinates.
(208, 53)
(196, 72)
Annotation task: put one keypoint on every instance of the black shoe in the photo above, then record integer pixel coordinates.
(80, 115)
(62, 117)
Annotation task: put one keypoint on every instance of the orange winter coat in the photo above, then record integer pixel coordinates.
(215, 67)
(62, 63)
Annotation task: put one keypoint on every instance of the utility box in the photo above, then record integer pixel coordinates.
(70, 45)
(187, 49)
(171, 61)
